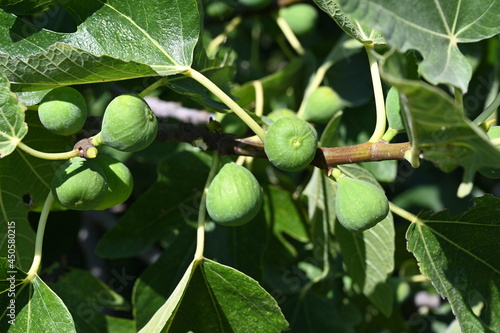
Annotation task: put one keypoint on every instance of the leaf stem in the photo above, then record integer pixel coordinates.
(48, 156)
(153, 87)
(221, 38)
(37, 258)
(488, 111)
(202, 213)
(289, 35)
(318, 77)
(378, 92)
(459, 97)
(259, 97)
(404, 213)
(203, 80)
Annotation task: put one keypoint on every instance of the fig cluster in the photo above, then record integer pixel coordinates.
(97, 184)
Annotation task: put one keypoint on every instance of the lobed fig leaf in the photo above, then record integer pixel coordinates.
(119, 180)
(290, 144)
(128, 124)
(359, 205)
(79, 184)
(301, 17)
(63, 111)
(321, 105)
(234, 196)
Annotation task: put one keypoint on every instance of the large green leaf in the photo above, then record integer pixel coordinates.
(351, 26)
(157, 283)
(437, 126)
(115, 40)
(434, 28)
(37, 307)
(25, 7)
(85, 296)
(216, 298)
(369, 256)
(461, 256)
(12, 125)
(171, 202)
(369, 259)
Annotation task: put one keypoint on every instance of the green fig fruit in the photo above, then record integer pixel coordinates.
(281, 113)
(359, 205)
(79, 184)
(321, 105)
(290, 144)
(255, 4)
(393, 110)
(119, 179)
(128, 124)
(301, 17)
(63, 111)
(234, 197)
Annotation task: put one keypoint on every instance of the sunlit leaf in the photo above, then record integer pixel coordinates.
(434, 28)
(115, 40)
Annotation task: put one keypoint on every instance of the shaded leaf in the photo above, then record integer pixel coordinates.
(85, 296)
(435, 32)
(437, 126)
(172, 201)
(25, 7)
(24, 185)
(157, 283)
(155, 38)
(369, 259)
(461, 256)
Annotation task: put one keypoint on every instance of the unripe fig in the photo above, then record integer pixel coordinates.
(119, 179)
(321, 105)
(290, 144)
(79, 184)
(218, 9)
(359, 205)
(393, 110)
(255, 4)
(494, 132)
(281, 113)
(63, 111)
(128, 124)
(301, 17)
(234, 196)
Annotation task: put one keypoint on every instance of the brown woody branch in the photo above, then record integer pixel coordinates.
(325, 158)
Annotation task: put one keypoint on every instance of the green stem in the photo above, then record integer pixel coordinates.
(37, 258)
(202, 213)
(221, 38)
(48, 156)
(378, 92)
(203, 80)
(259, 97)
(404, 213)
(488, 111)
(459, 97)
(315, 83)
(389, 134)
(290, 36)
(159, 83)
